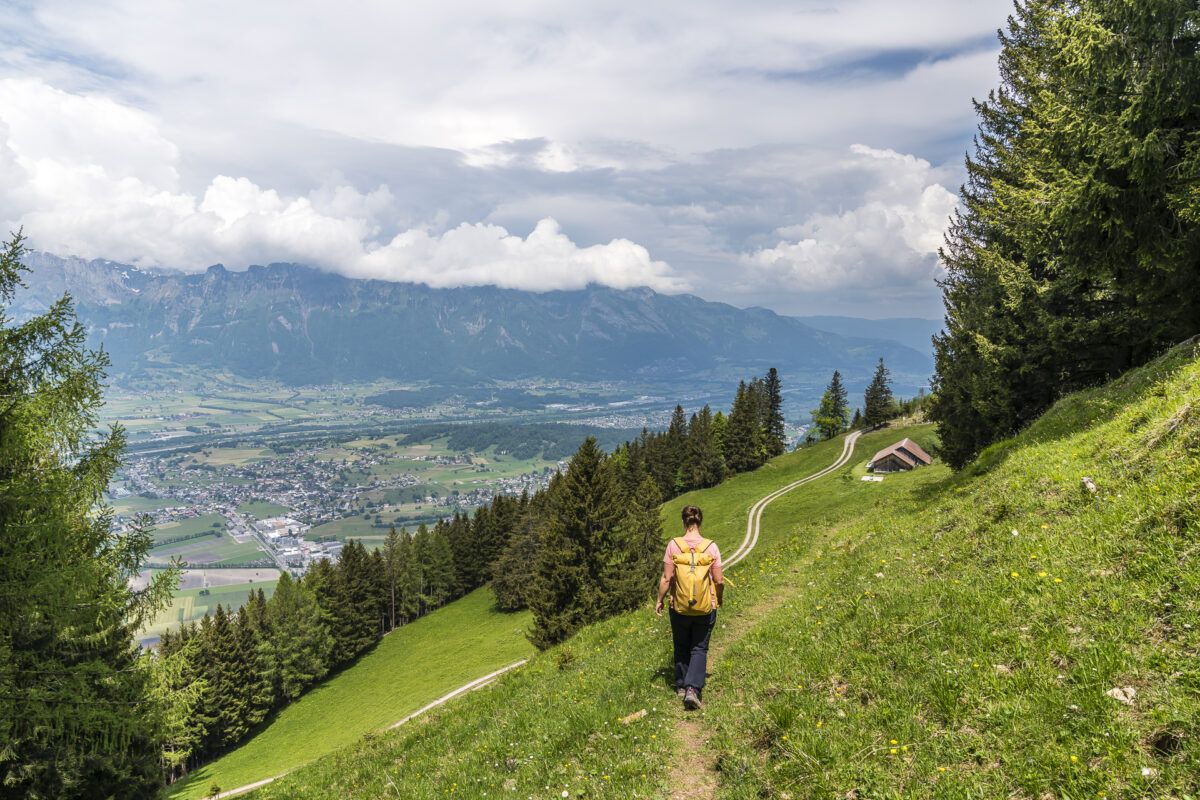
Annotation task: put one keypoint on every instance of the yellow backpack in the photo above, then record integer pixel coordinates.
(693, 584)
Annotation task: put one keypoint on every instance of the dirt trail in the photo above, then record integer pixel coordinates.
(700, 780)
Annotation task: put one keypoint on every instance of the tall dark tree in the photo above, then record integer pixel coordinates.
(831, 418)
(575, 548)
(637, 559)
(514, 572)
(300, 639)
(391, 567)
(74, 720)
(774, 433)
(878, 402)
(1073, 256)
(743, 432)
(703, 463)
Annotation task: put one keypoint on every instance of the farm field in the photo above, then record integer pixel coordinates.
(201, 524)
(263, 510)
(410, 667)
(190, 605)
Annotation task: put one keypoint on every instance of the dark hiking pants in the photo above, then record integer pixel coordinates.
(689, 634)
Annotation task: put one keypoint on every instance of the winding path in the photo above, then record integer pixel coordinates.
(756, 511)
(752, 529)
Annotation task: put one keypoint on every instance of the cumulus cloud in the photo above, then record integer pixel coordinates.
(116, 199)
(889, 240)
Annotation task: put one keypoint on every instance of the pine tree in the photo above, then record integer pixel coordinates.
(718, 431)
(743, 431)
(440, 575)
(74, 718)
(179, 692)
(637, 561)
(1073, 256)
(513, 573)
(830, 419)
(300, 639)
(575, 548)
(774, 433)
(704, 464)
(878, 402)
(676, 451)
(254, 640)
(391, 561)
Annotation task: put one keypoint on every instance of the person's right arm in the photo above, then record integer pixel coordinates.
(664, 584)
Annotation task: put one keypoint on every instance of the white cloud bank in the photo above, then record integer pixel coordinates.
(87, 176)
(890, 240)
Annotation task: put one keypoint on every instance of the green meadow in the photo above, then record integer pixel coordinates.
(1006, 631)
(409, 668)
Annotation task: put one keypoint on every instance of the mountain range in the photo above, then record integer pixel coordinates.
(303, 326)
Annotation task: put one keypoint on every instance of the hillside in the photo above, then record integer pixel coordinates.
(303, 326)
(410, 667)
(1001, 632)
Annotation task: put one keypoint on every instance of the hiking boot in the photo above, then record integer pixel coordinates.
(691, 701)
(680, 692)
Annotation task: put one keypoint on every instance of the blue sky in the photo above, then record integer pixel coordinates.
(802, 156)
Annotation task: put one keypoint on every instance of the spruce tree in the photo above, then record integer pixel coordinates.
(743, 432)
(718, 431)
(74, 717)
(703, 463)
(774, 433)
(830, 419)
(300, 639)
(391, 561)
(513, 573)
(629, 578)
(440, 575)
(575, 548)
(1073, 256)
(878, 402)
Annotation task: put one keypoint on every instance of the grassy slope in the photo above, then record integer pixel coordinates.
(412, 666)
(902, 643)
(963, 642)
(558, 727)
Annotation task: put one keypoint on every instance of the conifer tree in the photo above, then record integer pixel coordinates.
(703, 463)
(830, 419)
(300, 639)
(637, 561)
(74, 718)
(408, 587)
(718, 431)
(440, 575)
(253, 639)
(743, 432)
(878, 402)
(391, 561)
(177, 690)
(774, 433)
(1073, 256)
(676, 450)
(575, 548)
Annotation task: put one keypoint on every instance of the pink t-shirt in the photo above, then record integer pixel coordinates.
(694, 540)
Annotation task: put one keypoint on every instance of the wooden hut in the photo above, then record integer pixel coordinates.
(903, 455)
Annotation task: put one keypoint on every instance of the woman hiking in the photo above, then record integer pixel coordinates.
(692, 572)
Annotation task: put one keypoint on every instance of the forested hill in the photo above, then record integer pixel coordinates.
(304, 326)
